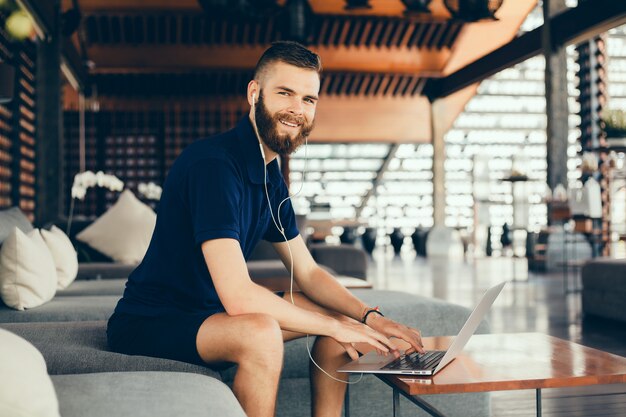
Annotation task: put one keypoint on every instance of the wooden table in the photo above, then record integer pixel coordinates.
(499, 362)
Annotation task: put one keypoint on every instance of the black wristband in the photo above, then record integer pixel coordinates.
(373, 310)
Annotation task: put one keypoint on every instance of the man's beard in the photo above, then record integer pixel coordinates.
(267, 125)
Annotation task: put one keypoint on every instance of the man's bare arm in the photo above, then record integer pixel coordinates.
(321, 287)
(316, 282)
(240, 295)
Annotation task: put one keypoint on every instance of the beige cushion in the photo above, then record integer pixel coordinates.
(25, 387)
(64, 255)
(28, 277)
(123, 233)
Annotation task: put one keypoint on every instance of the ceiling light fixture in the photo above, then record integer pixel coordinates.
(473, 10)
(416, 6)
(357, 4)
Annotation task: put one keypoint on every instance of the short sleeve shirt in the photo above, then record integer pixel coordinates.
(215, 189)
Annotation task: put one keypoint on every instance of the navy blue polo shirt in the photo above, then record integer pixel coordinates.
(213, 190)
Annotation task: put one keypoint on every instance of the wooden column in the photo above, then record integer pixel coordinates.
(50, 143)
(437, 109)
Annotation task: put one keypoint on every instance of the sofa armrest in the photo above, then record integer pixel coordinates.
(104, 270)
(343, 259)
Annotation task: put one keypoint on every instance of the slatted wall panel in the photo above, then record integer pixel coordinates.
(17, 128)
(89, 206)
(185, 126)
(133, 151)
(5, 156)
(6, 130)
(24, 109)
(138, 146)
(197, 28)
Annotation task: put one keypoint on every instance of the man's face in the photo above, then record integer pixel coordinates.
(285, 110)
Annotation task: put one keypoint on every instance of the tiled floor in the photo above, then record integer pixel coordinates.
(529, 303)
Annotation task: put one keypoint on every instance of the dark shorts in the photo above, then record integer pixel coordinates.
(169, 337)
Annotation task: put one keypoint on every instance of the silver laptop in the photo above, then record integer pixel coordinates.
(430, 362)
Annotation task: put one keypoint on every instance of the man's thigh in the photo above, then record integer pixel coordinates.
(224, 338)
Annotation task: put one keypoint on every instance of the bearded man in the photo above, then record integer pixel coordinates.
(191, 299)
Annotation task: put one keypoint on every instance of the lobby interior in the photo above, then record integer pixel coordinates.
(454, 148)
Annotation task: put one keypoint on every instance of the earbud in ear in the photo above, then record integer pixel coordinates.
(253, 98)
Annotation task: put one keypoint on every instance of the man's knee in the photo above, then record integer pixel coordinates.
(262, 340)
(326, 347)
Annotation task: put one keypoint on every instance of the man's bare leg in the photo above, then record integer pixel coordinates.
(255, 343)
(327, 394)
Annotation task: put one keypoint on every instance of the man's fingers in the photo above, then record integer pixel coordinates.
(378, 345)
(354, 355)
(383, 339)
(418, 337)
(410, 336)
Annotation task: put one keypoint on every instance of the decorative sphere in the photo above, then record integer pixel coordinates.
(19, 25)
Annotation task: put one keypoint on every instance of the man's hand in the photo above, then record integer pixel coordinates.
(390, 328)
(349, 333)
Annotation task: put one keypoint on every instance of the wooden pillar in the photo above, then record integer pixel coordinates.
(50, 143)
(557, 110)
(439, 157)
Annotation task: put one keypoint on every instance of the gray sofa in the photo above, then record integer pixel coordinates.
(70, 332)
(604, 288)
(91, 382)
(71, 348)
(144, 394)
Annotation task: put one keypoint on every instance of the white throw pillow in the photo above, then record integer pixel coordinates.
(28, 277)
(124, 231)
(64, 255)
(25, 387)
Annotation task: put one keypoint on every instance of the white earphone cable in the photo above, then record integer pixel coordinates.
(281, 229)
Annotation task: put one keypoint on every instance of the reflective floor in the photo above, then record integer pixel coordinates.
(530, 302)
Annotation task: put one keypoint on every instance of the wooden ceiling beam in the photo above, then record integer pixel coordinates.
(339, 118)
(172, 58)
(132, 5)
(394, 8)
(372, 119)
(571, 26)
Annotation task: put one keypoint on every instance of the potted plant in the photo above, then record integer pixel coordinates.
(614, 125)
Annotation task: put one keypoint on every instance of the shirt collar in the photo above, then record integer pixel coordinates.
(252, 155)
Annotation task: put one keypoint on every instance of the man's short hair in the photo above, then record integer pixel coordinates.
(291, 53)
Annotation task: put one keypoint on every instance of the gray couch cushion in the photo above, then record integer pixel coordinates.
(272, 269)
(11, 218)
(113, 287)
(266, 269)
(144, 394)
(344, 259)
(605, 273)
(103, 270)
(62, 308)
(604, 288)
(81, 347)
(109, 270)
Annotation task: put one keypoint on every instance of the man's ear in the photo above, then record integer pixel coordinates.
(253, 90)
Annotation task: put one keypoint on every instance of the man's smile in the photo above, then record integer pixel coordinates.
(289, 124)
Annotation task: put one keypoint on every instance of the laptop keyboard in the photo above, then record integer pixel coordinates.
(416, 360)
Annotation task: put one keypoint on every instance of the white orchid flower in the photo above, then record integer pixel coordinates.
(151, 190)
(78, 192)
